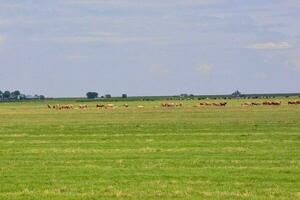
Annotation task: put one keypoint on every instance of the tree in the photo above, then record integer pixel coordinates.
(237, 94)
(22, 96)
(184, 95)
(108, 96)
(15, 94)
(1, 94)
(124, 96)
(6, 95)
(92, 95)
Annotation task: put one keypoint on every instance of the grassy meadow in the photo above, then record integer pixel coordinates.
(230, 152)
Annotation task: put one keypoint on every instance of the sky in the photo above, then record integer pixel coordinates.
(65, 48)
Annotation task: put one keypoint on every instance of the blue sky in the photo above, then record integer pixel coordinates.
(141, 47)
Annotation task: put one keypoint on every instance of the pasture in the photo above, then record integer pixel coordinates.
(149, 152)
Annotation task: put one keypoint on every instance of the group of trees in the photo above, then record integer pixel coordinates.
(16, 95)
(94, 95)
(10, 95)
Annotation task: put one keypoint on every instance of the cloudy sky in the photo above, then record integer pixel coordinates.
(142, 47)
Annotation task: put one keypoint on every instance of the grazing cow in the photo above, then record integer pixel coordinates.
(296, 102)
(246, 104)
(276, 103)
(267, 103)
(250, 104)
(207, 104)
(61, 107)
(272, 103)
(179, 105)
(110, 106)
(66, 107)
(291, 103)
(126, 105)
(223, 103)
(165, 105)
(57, 106)
(100, 106)
(83, 106)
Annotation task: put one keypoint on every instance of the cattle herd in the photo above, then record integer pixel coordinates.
(213, 104)
(265, 103)
(82, 106)
(171, 105)
(270, 103)
(297, 102)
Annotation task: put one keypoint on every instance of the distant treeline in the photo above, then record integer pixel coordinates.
(17, 95)
(93, 96)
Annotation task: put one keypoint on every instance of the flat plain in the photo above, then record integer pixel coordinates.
(232, 152)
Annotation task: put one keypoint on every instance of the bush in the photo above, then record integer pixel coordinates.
(92, 95)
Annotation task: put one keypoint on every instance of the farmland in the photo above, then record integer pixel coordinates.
(233, 152)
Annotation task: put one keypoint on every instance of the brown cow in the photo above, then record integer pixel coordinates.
(296, 102)
(246, 104)
(83, 106)
(220, 104)
(57, 106)
(223, 103)
(168, 105)
(291, 103)
(276, 103)
(100, 106)
(66, 107)
(110, 106)
(267, 103)
(250, 104)
(272, 103)
(179, 105)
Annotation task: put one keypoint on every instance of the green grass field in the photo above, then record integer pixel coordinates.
(149, 153)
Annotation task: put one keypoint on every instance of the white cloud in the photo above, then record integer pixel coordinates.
(2, 39)
(294, 64)
(152, 3)
(4, 22)
(78, 57)
(108, 38)
(204, 69)
(271, 46)
(159, 69)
